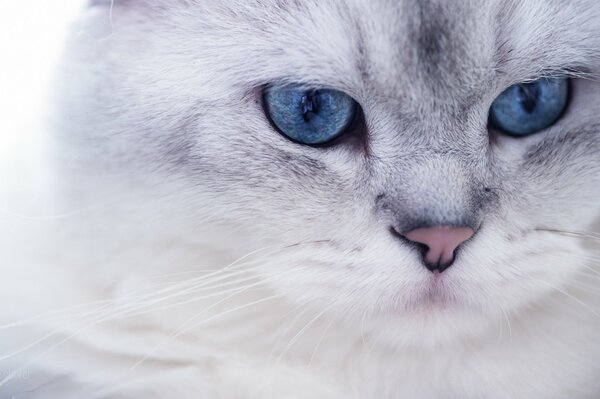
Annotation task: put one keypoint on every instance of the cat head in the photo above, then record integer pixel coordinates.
(353, 142)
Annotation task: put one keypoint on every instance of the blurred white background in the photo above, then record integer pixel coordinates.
(31, 37)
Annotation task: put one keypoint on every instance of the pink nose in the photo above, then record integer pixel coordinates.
(441, 242)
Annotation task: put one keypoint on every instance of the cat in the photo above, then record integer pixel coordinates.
(284, 199)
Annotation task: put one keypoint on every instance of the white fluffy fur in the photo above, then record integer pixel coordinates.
(167, 243)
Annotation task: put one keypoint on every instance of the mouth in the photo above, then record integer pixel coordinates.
(434, 296)
(436, 293)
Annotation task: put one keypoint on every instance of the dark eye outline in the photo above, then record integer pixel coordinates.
(354, 132)
(569, 93)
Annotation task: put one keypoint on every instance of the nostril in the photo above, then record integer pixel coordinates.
(438, 244)
(422, 249)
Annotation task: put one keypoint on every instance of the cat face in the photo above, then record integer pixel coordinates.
(180, 86)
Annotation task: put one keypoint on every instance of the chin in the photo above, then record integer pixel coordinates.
(431, 328)
(437, 309)
(435, 315)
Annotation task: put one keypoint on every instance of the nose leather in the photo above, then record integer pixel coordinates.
(441, 242)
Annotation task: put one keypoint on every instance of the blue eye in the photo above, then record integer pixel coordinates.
(310, 116)
(528, 108)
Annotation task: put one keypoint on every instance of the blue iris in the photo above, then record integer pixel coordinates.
(310, 116)
(528, 108)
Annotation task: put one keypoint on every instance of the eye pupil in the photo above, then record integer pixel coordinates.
(310, 106)
(529, 95)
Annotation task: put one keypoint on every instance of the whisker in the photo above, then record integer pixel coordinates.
(62, 313)
(510, 334)
(289, 326)
(320, 341)
(572, 256)
(132, 308)
(178, 287)
(152, 289)
(196, 325)
(181, 330)
(141, 307)
(127, 311)
(573, 233)
(579, 301)
(92, 324)
(292, 341)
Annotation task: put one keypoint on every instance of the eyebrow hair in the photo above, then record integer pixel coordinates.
(567, 71)
(549, 38)
(550, 66)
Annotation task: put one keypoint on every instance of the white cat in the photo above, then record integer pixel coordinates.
(316, 199)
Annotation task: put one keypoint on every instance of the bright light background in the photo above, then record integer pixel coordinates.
(31, 36)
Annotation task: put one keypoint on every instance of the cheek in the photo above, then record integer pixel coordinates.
(555, 181)
(512, 271)
(264, 176)
(351, 258)
(563, 193)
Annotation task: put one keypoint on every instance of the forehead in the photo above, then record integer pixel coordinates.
(388, 46)
(384, 43)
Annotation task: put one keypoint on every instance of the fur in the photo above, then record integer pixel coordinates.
(183, 248)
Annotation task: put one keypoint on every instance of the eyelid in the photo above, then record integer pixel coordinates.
(553, 73)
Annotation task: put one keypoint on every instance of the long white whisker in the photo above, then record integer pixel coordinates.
(141, 307)
(90, 325)
(320, 341)
(106, 303)
(579, 301)
(289, 326)
(152, 289)
(292, 341)
(196, 325)
(572, 233)
(126, 311)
